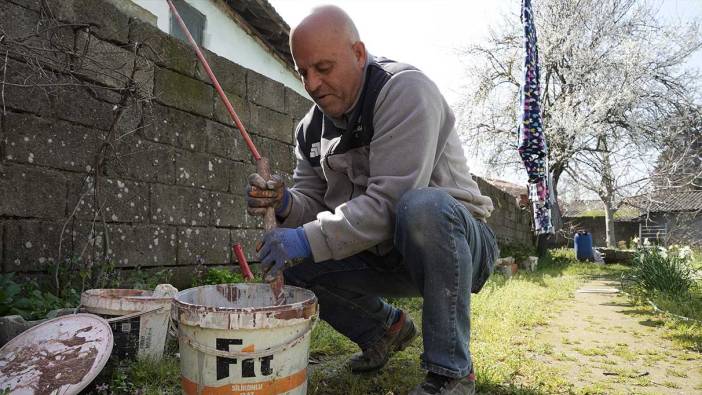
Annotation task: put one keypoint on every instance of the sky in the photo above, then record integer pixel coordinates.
(430, 34)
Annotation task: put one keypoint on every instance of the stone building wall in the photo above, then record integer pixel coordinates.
(114, 145)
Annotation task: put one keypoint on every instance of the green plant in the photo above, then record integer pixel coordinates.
(656, 271)
(141, 279)
(213, 276)
(29, 300)
(76, 273)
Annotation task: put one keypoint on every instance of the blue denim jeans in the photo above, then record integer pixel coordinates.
(441, 253)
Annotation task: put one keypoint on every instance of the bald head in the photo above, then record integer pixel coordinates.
(330, 58)
(327, 20)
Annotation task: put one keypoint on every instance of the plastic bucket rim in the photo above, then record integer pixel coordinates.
(179, 304)
(146, 295)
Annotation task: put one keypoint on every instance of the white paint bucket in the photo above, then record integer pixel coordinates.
(139, 319)
(234, 340)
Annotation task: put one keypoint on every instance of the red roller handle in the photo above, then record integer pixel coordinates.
(262, 166)
(216, 84)
(239, 252)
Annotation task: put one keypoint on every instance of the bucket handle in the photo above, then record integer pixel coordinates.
(132, 315)
(254, 354)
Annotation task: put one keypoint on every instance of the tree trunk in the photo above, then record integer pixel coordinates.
(609, 223)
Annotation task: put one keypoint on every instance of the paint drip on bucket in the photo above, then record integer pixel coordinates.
(233, 339)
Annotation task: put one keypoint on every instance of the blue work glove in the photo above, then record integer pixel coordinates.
(281, 245)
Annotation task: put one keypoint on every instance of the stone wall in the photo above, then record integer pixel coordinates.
(511, 223)
(623, 230)
(114, 145)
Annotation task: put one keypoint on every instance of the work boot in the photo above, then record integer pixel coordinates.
(437, 384)
(397, 338)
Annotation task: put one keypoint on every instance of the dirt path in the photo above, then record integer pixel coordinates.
(604, 345)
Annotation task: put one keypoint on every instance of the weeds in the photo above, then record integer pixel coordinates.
(214, 276)
(29, 300)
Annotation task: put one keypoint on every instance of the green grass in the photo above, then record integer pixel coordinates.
(506, 316)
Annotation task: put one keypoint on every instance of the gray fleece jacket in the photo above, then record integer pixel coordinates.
(344, 195)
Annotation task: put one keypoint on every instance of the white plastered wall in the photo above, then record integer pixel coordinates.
(224, 37)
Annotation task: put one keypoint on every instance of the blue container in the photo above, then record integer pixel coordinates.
(583, 246)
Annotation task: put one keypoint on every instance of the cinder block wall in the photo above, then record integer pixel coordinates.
(511, 224)
(114, 144)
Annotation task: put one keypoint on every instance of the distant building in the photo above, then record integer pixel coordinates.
(663, 217)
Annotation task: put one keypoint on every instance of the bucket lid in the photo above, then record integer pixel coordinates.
(62, 355)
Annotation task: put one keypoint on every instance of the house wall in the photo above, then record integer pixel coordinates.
(684, 228)
(123, 152)
(226, 38)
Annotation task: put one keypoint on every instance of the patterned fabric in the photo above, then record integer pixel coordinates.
(532, 142)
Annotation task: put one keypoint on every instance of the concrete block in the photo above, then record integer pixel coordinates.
(201, 171)
(23, 90)
(161, 48)
(184, 93)
(51, 94)
(79, 104)
(129, 117)
(282, 157)
(248, 239)
(26, 24)
(239, 176)
(104, 19)
(241, 107)
(265, 92)
(24, 20)
(178, 128)
(279, 154)
(31, 245)
(142, 160)
(115, 200)
(228, 210)
(134, 11)
(230, 76)
(271, 124)
(113, 66)
(206, 245)
(142, 246)
(226, 142)
(177, 205)
(30, 192)
(296, 105)
(58, 144)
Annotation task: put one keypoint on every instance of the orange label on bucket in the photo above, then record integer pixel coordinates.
(270, 387)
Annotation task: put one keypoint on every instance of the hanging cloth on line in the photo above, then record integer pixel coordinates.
(532, 142)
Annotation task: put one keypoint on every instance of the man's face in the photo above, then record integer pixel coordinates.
(331, 70)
